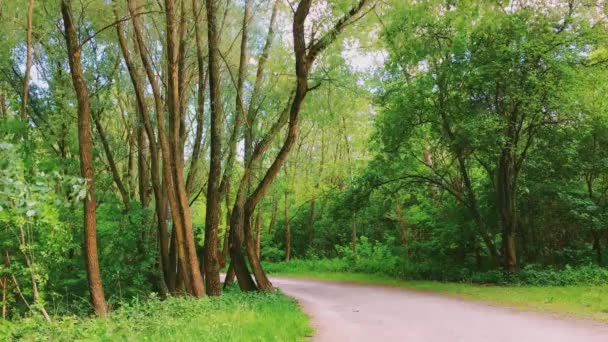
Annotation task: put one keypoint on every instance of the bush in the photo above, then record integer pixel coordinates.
(380, 259)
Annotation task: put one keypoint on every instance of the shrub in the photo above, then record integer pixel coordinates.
(235, 316)
(378, 258)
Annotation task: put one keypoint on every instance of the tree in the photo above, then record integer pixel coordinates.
(86, 160)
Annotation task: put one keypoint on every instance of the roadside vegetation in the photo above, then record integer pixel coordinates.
(235, 316)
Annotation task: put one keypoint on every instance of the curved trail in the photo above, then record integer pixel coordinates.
(349, 312)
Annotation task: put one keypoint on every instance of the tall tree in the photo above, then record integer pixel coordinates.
(28, 62)
(87, 170)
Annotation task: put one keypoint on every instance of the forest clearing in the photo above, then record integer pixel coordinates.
(287, 170)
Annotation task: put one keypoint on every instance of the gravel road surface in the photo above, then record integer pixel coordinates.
(351, 312)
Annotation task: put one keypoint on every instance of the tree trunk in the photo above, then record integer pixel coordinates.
(30, 266)
(506, 203)
(170, 147)
(311, 224)
(3, 110)
(258, 232)
(273, 218)
(130, 173)
(402, 225)
(28, 63)
(305, 57)
(142, 167)
(175, 156)
(237, 258)
(354, 234)
(3, 285)
(469, 199)
(597, 246)
(287, 230)
(226, 246)
(122, 190)
(86, 161)
(200, 104)
(230, 276)
(212, 218)
(159, 192)
(174, 267)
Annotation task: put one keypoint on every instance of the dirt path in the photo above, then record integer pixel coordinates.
(348, 312)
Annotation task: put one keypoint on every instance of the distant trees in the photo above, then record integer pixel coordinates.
(487, 149)
(476, 88)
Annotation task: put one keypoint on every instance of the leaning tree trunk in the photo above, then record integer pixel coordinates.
(172, 165)
(258, 232)
(160, 197)
(86, 160)
(237, 258)
(305, 57)
(192, 272)
(122, 190)
(226, 245)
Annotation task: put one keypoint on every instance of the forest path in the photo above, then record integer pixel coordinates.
(350, 312)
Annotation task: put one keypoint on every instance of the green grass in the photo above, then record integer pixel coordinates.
(577, 301)
(235, 316)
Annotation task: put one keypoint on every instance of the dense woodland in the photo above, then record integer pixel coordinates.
(147, 146)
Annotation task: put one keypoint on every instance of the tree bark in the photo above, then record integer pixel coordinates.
(86, 160)
(230, 276)
(258, 232)
(133, 160)
(142, 167)
(237, 258)
(212, 219)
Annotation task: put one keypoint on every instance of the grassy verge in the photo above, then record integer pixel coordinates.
(235, 316)
(577, 301)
